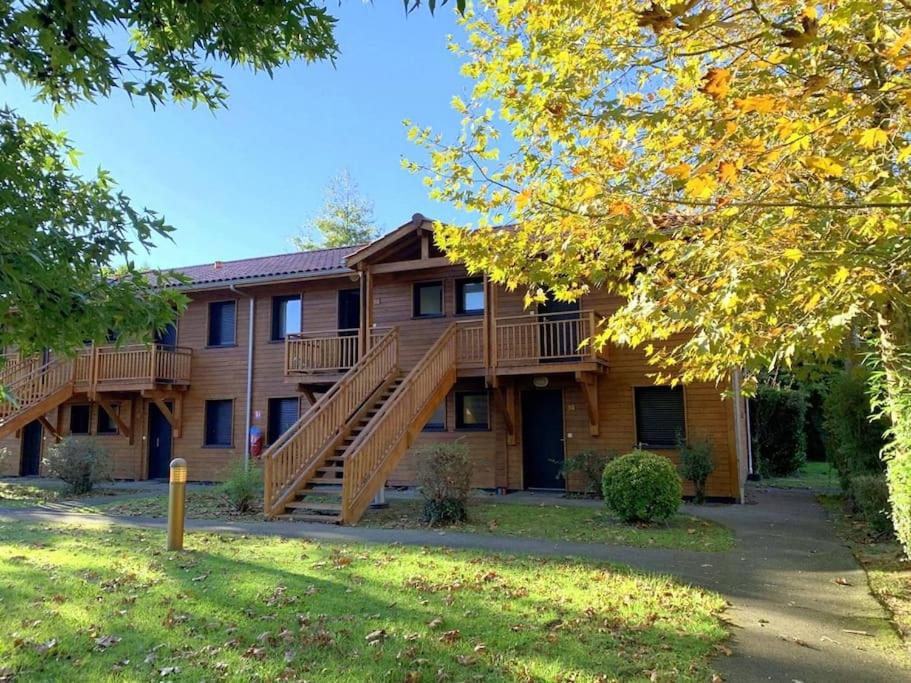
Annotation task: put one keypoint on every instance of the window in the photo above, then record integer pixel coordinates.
(221, 323)
(79, 419)
(286, 316)
(428, 299)
(471, 410)
(283, 412)
(437, 421)
(470, 296)
(105, 423)
(167, 336)
(219, 423)
(659, 416)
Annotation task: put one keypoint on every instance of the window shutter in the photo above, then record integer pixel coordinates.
(219, 423)
(659, 415)
(221, 323)
(283, 413)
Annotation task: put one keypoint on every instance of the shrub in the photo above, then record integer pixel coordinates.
(80, 463)
(243, 485)
(697, 462)
(641, 487)
(590, 466)
(870, 498)
(444, 475)
(853, 439)
(778, 428)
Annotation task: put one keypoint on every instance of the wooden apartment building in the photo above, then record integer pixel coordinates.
(347, 360)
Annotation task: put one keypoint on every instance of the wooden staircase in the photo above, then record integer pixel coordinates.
(35, 392)
(334, 460)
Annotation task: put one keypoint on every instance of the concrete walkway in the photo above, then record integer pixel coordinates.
(792, 621)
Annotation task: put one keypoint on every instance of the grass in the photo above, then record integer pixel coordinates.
(106, 604)
(18, 495)
(584, 524)
(888, 572)
(817, 476)
(208, 503)
(566, 523)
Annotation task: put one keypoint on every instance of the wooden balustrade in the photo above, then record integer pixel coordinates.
(325, 351)
(43, 382)
(377, 448)
(136, 364)
(15, 368)
(296, 454)
(470, 344)
(545, 337)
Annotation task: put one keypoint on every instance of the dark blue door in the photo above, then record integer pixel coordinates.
(31, 449)
(159, 443)
(542, 439)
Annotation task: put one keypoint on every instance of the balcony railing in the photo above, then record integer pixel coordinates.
(532, 339)
(131, 365)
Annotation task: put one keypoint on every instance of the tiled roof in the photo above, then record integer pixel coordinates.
(267, 267)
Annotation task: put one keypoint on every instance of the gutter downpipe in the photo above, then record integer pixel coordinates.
(249, 398)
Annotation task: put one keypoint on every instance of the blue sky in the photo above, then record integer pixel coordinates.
(241, 181)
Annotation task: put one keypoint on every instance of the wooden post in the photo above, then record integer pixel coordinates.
(368, 311)
(591, 335)
(363, 331)
(152, 366)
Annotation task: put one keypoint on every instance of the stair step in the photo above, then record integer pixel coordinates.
(330, 468)
(315, 507)
(299, 517)
(329, 493)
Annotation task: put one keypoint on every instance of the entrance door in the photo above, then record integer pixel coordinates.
(31, 449)
(542, 439)
(167, 336)
(349, 311)
(559, 331)
(159, 443)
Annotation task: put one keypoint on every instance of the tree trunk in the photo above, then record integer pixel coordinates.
(895, 352)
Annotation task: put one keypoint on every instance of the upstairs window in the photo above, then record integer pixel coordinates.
(428, 300)
(283, 413)
(470, 296)
(219, 428)
(105, 423)
(660, 416)
(472, 410)
(222, 319)
(286, 316)
(79, 419)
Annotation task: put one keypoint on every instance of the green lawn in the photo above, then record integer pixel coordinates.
(565, 523)
(21, 495)
(818, 476)
(111, 605)
(208, 503)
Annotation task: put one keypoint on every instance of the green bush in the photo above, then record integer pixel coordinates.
(697, 462)
(641, 487)
(870, 498)
(243, 486)
(853, 439)
(590, 466)
(80, 463)
(778, 429)
(444, 475)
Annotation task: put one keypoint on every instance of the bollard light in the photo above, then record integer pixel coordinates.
(177, 498)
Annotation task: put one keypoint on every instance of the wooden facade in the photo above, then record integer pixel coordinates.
(504, 352)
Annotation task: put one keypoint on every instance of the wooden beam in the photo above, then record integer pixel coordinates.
(168, 415)
(425, 245)
(132, 421)
(308, 394)
(507, 398)
(49, 427)
(122, 427)
(588, 382)
(412, 264)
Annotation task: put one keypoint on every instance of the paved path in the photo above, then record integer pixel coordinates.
(790, 617)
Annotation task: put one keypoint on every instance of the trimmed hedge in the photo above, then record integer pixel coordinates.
(778, 428)
(870, 498)
(642, 487)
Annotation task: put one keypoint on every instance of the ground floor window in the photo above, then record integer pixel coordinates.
(660, 416)
(472, 410)
(79, 419)
(219, 423)
(283, 413)
(104, 422)
(437, 421)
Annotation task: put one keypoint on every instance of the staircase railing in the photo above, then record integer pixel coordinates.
(375, 451)
(16, 368)
(42, 382)
(296, 454)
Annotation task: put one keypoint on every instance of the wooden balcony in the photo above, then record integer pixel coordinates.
(523, 344)
(131, 367)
